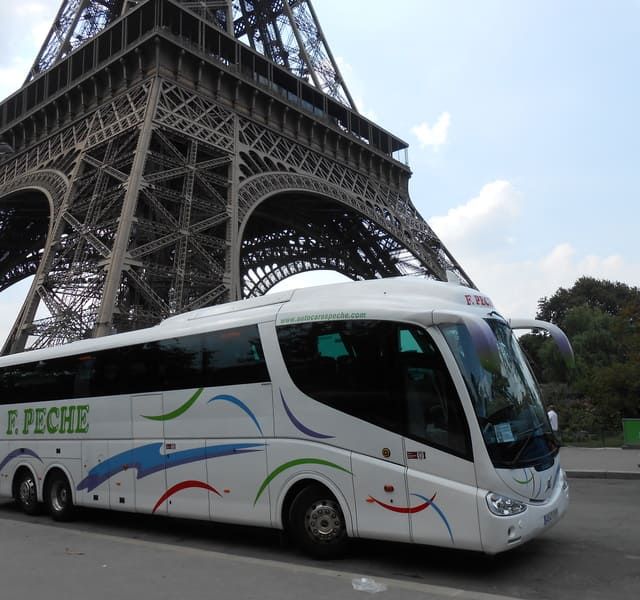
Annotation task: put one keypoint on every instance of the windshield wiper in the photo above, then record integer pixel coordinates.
(526, 442)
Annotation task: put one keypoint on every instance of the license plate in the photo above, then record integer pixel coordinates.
(550, 517)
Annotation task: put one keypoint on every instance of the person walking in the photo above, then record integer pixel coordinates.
(553, 420)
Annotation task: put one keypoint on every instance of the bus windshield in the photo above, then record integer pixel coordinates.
(507, 402)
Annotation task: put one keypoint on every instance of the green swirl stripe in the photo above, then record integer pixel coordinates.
(178, 411)
(525, 482)
(294, 463)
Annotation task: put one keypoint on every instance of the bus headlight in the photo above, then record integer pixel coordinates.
(503, 506)
(565, 481)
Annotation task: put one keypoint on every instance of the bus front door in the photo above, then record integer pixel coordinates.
(442, 496)
(441, 479)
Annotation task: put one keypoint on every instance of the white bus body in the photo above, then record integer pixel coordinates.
(397, 409)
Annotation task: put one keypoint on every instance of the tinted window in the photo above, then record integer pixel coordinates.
(434, 413)
(210, 359)
(386, 373)
(358, 382)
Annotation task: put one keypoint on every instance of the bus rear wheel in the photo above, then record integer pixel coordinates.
(317, 524)
(26, 493)
(58, 497)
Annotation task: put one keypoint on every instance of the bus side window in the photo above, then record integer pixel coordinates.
(237, 356)
(84, 375)
(346, 365)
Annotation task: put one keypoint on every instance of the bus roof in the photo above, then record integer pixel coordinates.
(389, 298)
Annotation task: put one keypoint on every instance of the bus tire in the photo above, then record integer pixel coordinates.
(26, 492)
(316, 523)
(58, 497)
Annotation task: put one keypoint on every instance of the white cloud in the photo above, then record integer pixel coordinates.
(434, 136)
(10, 304)
(517, 286)
(25, 26)
(470, 233)
(492, 210)
(39, 32)
(308, 279)
(30, 8)
(12, 76)
(356, 89)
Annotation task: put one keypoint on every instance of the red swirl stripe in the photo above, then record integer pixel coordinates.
(183, 485)
(404, 509)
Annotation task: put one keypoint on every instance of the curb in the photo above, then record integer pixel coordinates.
(603, 474)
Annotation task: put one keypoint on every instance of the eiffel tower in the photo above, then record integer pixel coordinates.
(165, 155)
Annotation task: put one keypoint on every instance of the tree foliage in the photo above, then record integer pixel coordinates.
(606, 296)
(602, 320)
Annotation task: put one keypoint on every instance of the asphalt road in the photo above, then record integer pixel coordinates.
(593, 553)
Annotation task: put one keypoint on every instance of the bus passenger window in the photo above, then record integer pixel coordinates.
(347, 365)
(84, 373)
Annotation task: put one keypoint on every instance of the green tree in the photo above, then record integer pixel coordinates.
(608, 296)
(602, 320)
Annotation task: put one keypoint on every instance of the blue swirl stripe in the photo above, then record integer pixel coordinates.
(304, 429)
(438, 510)
(148, 460)
(15, 453)
(240, 404)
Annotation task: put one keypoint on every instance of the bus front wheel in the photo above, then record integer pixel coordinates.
(317, 524)
(58, 497)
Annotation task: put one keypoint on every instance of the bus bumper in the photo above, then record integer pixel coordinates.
(500, 533)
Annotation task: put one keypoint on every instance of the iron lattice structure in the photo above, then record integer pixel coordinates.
(171, 155)
(286, 32)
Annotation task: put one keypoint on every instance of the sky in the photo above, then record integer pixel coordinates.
(522, 119)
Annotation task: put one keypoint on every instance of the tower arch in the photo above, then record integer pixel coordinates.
(295, 223)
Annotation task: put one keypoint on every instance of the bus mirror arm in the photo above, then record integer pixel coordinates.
(482, 337)
(558, 336)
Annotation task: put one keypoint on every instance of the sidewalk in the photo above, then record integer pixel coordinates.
(607, 463)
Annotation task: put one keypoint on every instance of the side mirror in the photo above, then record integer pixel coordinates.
(558, 336)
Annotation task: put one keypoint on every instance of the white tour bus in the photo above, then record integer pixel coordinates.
(399, 409)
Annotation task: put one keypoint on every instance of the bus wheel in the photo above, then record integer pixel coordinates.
(317, 524)
(26, 494)
(58, 497)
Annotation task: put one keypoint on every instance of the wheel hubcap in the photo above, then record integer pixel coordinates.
(323, 520)
(27, 492)
(59, 497)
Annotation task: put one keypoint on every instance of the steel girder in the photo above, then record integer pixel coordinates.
(164, 245)
(172, 228)
(170, 177)
(285, 31)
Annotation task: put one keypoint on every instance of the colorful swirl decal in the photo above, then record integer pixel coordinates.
(300, 426)
(15, 453)
(148, 460)
(528, 477)
(178, 411)
(555, 477)
(294, 463)
(240, 404)
(439, 511)
(404, 509)
(184, 485)
(534, 485)
(427, 502)
(174, 414)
